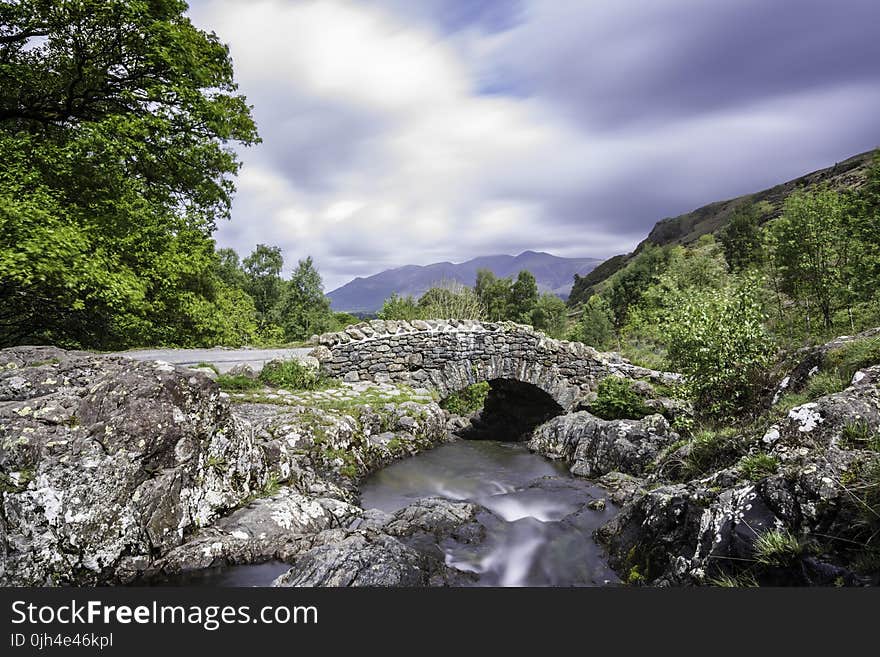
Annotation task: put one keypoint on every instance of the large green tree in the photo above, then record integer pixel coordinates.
(304, 310)
(523, 297)
(262, 273)
(813, 248)
(117, 120)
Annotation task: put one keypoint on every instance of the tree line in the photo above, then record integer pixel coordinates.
(491, 298)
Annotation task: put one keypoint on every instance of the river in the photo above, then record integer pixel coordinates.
(538, 529)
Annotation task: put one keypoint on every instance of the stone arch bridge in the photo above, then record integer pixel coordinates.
(449, 355)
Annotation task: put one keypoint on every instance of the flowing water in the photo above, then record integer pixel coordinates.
(539, 531)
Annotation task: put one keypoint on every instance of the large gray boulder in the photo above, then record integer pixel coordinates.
(106, 462)
(595, 447)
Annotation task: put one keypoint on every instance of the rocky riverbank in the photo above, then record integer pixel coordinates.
(790, 499)
(114, 470)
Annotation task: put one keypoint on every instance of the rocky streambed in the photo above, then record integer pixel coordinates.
(121, 472)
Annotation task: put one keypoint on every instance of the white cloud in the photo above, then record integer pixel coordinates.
(380, 150)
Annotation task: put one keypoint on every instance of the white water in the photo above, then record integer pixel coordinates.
(538, 531)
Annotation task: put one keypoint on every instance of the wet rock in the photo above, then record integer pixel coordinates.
(595, 447)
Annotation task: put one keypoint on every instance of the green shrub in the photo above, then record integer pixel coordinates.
(237, 382)
(717, 339)
(290, 374)
(468, 400)
(758, 466)
(616, 399)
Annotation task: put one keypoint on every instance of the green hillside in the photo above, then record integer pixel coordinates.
(688, 228)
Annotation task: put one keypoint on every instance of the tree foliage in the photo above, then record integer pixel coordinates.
(595, 326)
(741, 240)
(117, 120)
(718, 340)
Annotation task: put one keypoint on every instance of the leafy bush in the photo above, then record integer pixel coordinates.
(290, 374)
(616, 399)
(718, 341)
(468, 400)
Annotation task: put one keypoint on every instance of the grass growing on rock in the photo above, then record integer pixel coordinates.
(778, 547)
(824, 383)
(712, 449)
(758, 466)
(237, 382)
(853, 356)
(347, 401)
(858, 434)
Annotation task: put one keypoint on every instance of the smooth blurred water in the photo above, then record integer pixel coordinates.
(539, 532)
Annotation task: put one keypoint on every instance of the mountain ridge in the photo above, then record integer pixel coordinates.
(365, 294)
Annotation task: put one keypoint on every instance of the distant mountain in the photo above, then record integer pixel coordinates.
(365, 295)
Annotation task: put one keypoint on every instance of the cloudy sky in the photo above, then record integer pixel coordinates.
(414, 131)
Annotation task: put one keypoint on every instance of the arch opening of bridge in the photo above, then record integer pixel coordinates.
(511, 412)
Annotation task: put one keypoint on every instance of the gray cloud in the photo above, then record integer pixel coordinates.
(399, 132)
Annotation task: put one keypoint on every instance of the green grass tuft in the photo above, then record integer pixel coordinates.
(758, 466)
(712, 449)
(291, 375)
(778, 547)
(237, 382)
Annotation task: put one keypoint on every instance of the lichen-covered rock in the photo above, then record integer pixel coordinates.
(111, 469)
(824, 421)
(264, 529)
(107, 462)
(595, 447)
